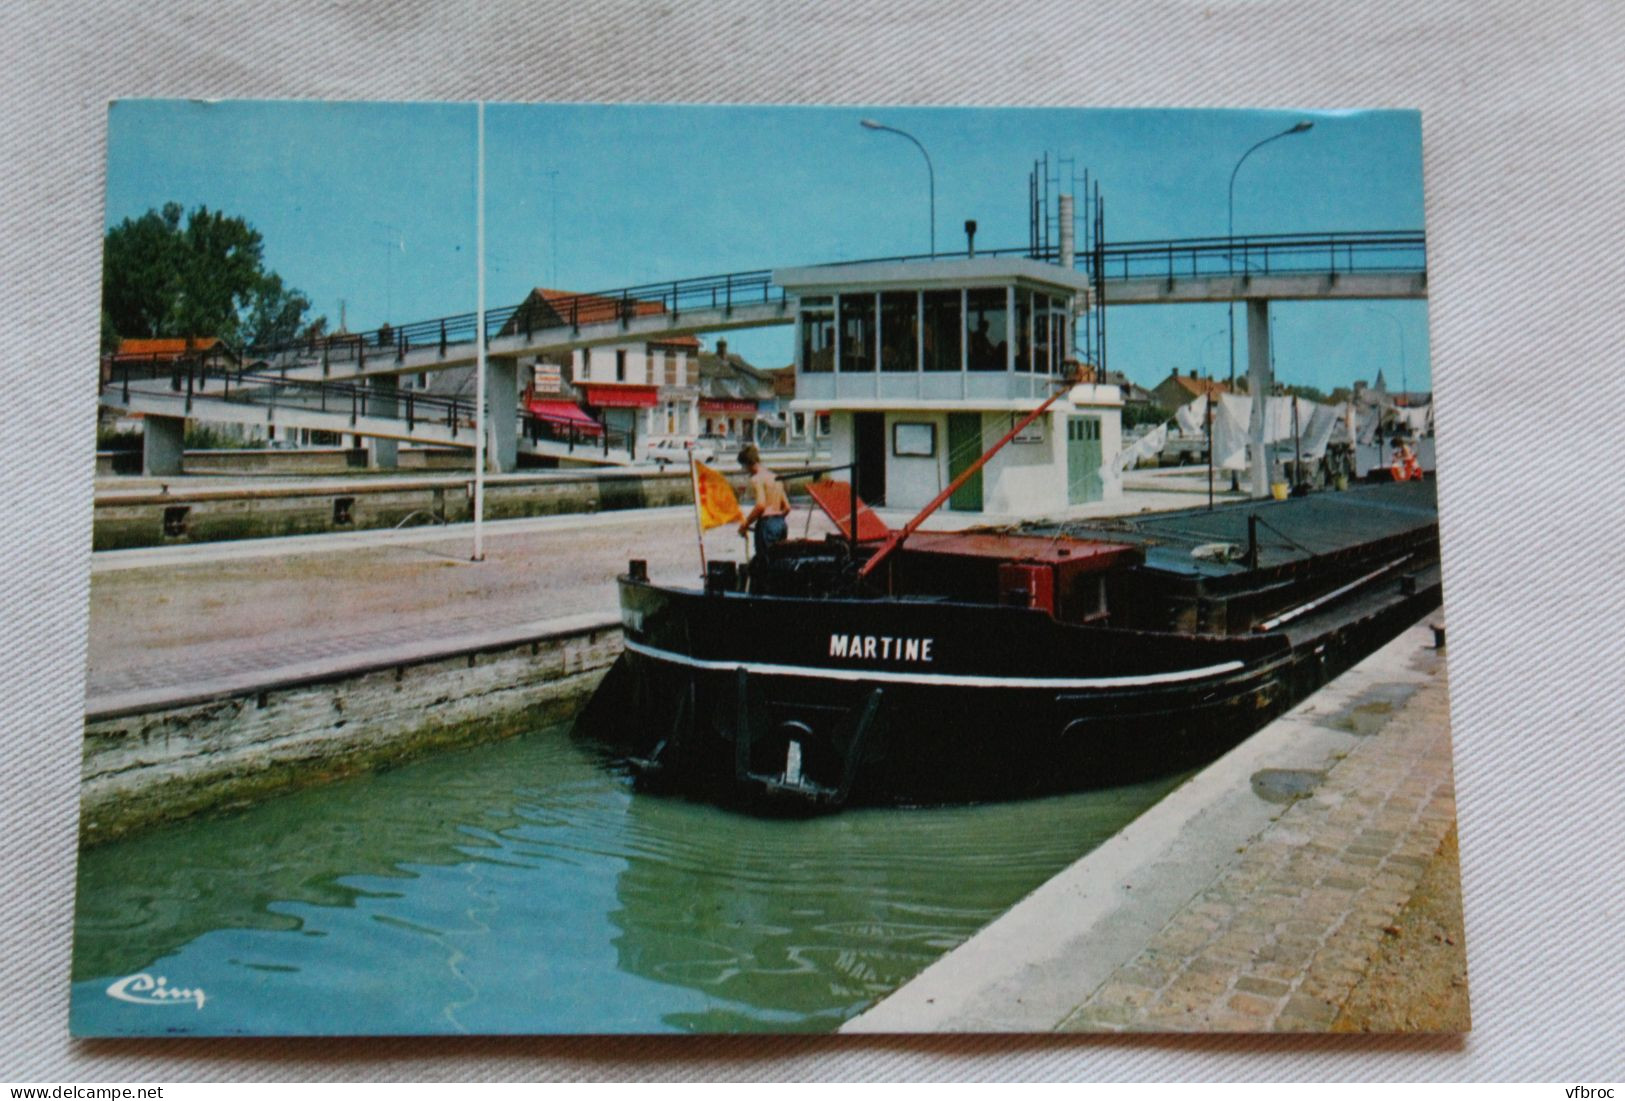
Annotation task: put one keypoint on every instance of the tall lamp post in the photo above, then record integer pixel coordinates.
(396, 242)
(931, 174)
(1230, 240)
(553, 226)
(1230, 224)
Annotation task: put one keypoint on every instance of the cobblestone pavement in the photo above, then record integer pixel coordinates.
(1278, 940)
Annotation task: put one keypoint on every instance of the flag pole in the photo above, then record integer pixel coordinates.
(699, 530)
(479, 341)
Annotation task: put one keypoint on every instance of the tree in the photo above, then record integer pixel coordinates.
(277, 314)
(205, 278)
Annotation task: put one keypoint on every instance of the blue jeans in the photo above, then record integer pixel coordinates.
(770, 530)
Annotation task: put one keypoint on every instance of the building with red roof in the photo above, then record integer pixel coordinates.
(648, 388)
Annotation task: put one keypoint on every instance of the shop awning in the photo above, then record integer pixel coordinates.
(563, 412)
(622, 396)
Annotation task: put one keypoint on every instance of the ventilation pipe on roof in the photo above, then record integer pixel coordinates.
(1068, 246)
(970, 238)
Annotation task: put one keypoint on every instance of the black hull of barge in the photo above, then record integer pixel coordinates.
(714, 688)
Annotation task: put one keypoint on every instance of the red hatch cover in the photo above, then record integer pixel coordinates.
(1085, 554)
(835, 498)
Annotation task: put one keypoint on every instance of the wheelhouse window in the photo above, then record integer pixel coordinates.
(942, 329)
(987, 328)
(1024, 332)
(899, 331)
(1058, 336)
(857, 333)
(1041, 329)
(818, 334)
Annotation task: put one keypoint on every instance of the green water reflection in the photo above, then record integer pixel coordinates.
(523, 887)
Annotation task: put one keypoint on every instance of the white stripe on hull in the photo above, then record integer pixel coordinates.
(957, 680)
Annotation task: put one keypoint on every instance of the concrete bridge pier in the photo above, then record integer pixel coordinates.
(1260, 381)
(163, 443)
(501, 420)
(383, 401)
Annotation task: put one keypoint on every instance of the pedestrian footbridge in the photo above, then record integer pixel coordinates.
(351, 383)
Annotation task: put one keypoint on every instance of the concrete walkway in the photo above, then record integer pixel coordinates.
(1250, 899)
(172, 622)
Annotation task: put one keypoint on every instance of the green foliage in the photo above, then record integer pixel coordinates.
(109, 438)
(204, 437)
(203, 278)
(276, 315)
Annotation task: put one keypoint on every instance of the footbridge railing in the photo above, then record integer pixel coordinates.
(1273, 254)
(216, 376)
(536, 314)
(1270, 254)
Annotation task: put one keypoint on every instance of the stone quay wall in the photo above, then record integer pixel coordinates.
(286, 461)
(175, 515)
(148, 761)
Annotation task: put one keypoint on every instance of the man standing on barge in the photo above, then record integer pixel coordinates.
(772, 507)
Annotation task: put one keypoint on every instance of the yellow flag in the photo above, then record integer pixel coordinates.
(714, 498)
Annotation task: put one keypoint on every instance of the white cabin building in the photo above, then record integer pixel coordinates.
(920, 366)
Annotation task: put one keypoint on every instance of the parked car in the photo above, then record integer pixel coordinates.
(677, 449)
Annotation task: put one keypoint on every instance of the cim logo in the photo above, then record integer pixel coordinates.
(143, 989)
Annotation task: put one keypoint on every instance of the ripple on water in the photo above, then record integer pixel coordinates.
(523, 887)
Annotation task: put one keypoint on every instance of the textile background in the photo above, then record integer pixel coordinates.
(1524, 143)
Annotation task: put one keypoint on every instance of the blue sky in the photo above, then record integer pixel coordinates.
(374, 203)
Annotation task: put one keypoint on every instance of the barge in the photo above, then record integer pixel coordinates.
(881, 667)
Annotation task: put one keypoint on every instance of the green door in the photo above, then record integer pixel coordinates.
(964, 448)
(1083, 480)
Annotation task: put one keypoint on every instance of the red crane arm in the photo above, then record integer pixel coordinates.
(896, 538)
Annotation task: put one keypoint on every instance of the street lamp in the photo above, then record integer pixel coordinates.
(1230, 226)
(553, 226)
(931, 175)
(397, 241)
(1299, 127)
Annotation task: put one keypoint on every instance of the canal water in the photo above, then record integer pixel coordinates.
(524, 887)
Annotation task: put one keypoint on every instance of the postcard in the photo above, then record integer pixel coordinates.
(581, 568)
